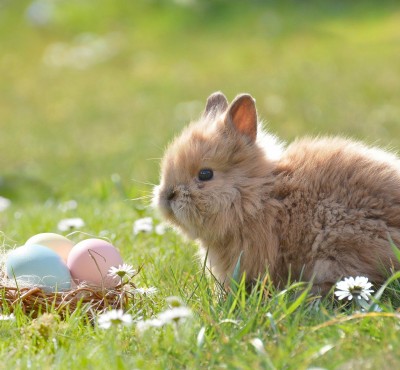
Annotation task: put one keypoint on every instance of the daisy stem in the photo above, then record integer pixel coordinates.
(176, 332)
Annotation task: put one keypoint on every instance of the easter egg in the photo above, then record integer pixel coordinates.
(38, 265)
(58, 243)
(90, 260)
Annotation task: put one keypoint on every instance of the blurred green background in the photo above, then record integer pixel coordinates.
(91, 89)
(91, 92)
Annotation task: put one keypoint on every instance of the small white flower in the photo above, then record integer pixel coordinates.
(114, 318)
(9, 317)
(357, 287)
(144, 225)
(122, 271)
(4, 203)
(174, 301)
(161, 229)
(68, 205)
(169, 316)
(146, 291)
(175, 314)
(68, 224)
(146, 324)
(258, 345)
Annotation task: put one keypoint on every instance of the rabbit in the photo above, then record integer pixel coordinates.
(316, 210)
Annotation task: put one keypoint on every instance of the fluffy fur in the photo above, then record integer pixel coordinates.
(318, 210)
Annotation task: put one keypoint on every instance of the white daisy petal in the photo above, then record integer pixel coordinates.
(144, 225)
(258, 345)
(146, 324)
(175, 314)
(68, 224)
(68, 205)
(114, 318)
(9, 317)
(161, 229)
(146, 291)
(341, 294)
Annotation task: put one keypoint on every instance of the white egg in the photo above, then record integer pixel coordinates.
(58, 243)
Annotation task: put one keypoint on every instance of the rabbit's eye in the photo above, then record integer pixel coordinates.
(206, 174)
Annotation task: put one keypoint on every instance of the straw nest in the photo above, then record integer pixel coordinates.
(33, 300)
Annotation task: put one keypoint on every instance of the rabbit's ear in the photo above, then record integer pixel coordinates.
(242, 114)
(216, 103)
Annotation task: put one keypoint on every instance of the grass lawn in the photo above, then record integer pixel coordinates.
(90, 94)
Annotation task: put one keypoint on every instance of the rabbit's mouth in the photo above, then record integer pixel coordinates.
(162, 201)
(176, 206)
(166, 199)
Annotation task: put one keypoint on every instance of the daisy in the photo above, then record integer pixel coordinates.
(114, 318)
(68, 205)
(161, 229)
(4, 203)
(68, 224)
(358, 287)
(9, 317)
(144, 225)
(146, 291)
(174, 301)
(175, 314)
(258, 345)
(143, 325)
(122, 271)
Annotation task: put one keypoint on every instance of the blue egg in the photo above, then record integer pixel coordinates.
(40, 266)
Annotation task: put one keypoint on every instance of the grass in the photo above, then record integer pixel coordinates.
(92, 131)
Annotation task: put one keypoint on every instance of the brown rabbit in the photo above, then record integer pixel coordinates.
(319, 210)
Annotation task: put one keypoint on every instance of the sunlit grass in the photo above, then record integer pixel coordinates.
(95, 134)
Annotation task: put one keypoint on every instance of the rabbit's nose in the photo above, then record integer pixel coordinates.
(171, 193)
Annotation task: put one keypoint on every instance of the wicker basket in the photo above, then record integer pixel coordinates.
(34, 300)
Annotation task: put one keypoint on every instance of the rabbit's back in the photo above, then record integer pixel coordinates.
(340, 201)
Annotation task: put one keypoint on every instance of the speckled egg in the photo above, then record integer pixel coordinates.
(90, 260)
(38, 265)
(58, 243)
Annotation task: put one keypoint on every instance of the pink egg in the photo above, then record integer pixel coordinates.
(90, 260)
